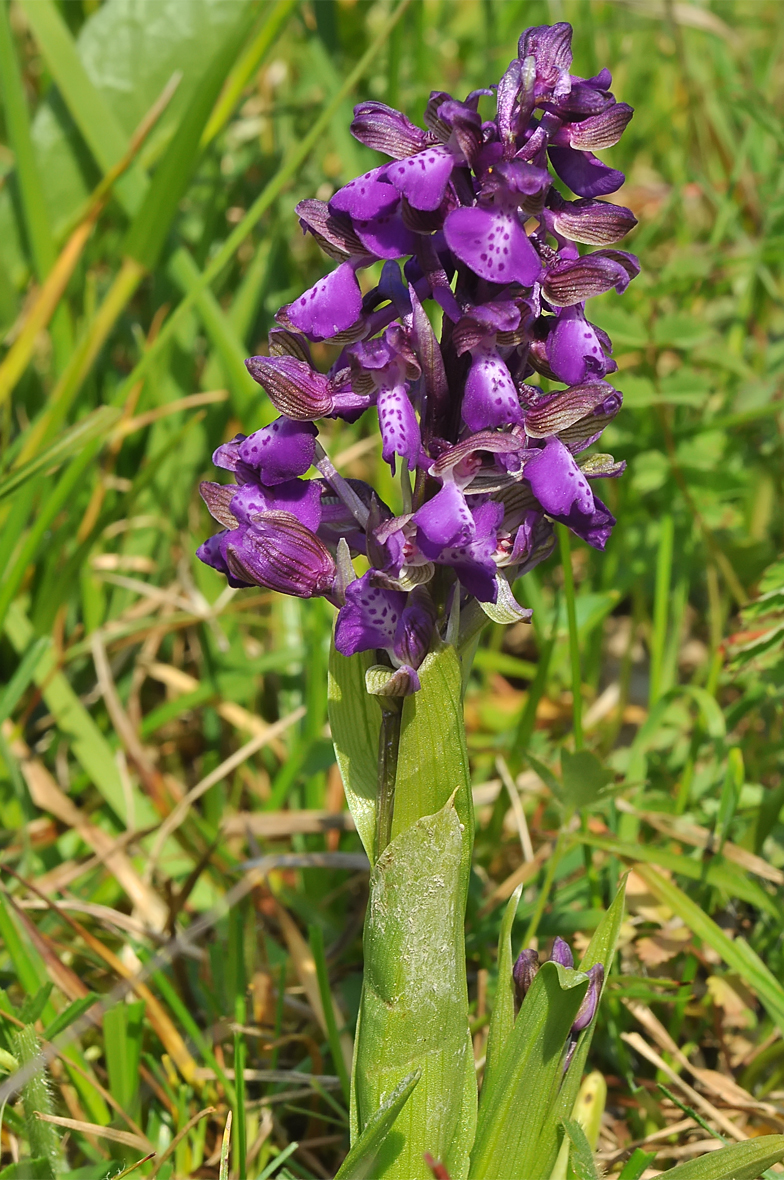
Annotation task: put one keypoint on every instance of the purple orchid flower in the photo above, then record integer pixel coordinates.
(462, 212)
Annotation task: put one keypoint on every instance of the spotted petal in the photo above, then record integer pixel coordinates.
(557, 481)
(331, 305)
(492, 242)
(423, 178)
(490, 395)
(399, 426)
(280, 451)
(369, 618)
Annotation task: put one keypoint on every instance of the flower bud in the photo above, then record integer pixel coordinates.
(590, 1003)
(384, 129)
(524, 972)
(555, 412)
(278, 552)
(294, 388)
(597, 223)
(593, 274)
(562, 953)
(600, 131)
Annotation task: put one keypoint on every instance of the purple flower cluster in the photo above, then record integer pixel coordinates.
(488, 460)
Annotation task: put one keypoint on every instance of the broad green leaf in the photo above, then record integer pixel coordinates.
(355, 721)
(360, 1162)
(528, 1078)
(414, 1011)
(601, 949)
(739, 1161)
(150, 227)
(584, 778)
(68, 1015)
(93, 116)
(735, 952)
(432, 760)
(502, 1020)
(581, 1155)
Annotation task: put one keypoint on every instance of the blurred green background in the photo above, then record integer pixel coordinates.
(151, 154)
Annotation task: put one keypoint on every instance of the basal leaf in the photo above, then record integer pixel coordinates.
(433, 761)
(414, 1012)
(512, 1115)
(739, 1161)
(361, 1159)
(355, 721)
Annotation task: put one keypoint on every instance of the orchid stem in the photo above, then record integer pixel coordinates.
(388, 744)
(574, 640)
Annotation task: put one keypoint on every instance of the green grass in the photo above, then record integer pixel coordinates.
(178, 281)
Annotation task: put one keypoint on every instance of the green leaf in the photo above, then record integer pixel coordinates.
(584, 778)
(30, 1169)
(735, 952)
(739, 1161)
(123, 1029)
(636, 1164)
(502, 1020)
(34, 1005)
(360, 1162)
(18, 683)
(355, 721)
(68, 1015)
(730, 795)
(151, 225)
(529, 1076)
(414, 1010)
(432, 759)
(581, 1155)
(225, 341)
(17, 121)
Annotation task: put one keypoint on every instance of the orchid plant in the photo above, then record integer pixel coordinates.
(488, 429)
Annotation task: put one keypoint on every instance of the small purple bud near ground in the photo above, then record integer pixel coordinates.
(524, 972)
(590, 1003)
(562, 953)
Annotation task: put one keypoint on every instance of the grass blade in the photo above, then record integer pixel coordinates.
(317, 947)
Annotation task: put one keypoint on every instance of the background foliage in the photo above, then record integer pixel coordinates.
(151, 154)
